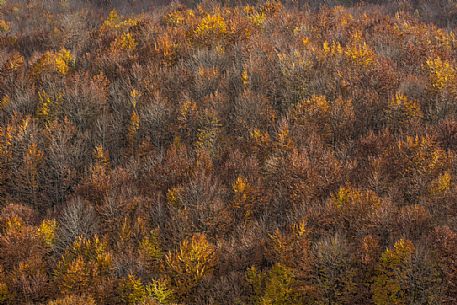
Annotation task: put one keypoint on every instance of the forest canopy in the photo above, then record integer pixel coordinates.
(228, 152)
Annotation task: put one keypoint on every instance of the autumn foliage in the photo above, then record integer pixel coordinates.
(228, 152)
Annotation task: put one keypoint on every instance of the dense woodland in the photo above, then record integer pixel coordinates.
(228, 153)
